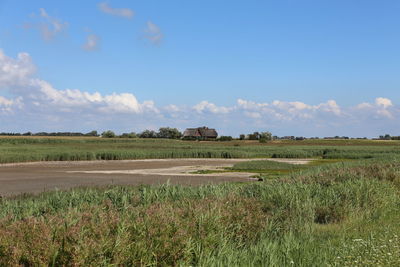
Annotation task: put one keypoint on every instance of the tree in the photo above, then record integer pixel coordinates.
(148, 134)
(108, 134)
(242, 136)
(128, 135)
(225, 138)
(170, 133)
(92, 133)
(266, 136)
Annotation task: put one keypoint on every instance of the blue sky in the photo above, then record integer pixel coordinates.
(235, 65)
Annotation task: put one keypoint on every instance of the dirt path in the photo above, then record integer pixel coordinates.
(17, 178)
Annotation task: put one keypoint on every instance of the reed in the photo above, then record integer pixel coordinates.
(323, 215)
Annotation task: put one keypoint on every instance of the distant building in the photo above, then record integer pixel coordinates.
(288, 137)
(201, 133)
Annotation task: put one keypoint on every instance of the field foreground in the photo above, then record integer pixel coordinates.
(330, 215)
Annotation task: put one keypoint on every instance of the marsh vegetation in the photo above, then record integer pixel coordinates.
(321, 215)
(26, 149)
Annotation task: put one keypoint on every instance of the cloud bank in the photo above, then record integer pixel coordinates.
(30, 103)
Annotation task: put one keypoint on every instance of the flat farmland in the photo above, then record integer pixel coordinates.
(23, 149)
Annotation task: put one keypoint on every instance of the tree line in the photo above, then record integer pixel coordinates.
(174, 133)
(163, 132)
(92, 133)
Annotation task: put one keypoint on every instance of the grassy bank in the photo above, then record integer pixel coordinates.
(328, 215)
(22, 149)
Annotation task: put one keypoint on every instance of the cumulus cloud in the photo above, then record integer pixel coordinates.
(254, 115)
(207, 107)
(283, 110)
(9, 105)
(51, 26)
(17, 77)
(15, 72)
(74, 99)
(120, 12)
(383, 102)
(250, 105)
(28, 100)
(153, 33)
(172, 108)
(92, 42)
(383, 107)
(331, 107)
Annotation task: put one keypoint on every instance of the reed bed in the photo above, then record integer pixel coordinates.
(309, 218)
(20, 149)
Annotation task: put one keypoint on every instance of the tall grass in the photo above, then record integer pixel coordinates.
(263, 165)
(304, 219)
(62, 149)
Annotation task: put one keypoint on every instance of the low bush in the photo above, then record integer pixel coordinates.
(225, 138)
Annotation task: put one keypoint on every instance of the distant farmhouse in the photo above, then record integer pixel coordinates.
(200, 133)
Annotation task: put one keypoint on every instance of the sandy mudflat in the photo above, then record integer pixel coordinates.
(36, 177)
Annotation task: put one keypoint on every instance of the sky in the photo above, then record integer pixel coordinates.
(292, 67)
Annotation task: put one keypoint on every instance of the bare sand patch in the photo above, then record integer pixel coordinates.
(190, 169)
(36, 177)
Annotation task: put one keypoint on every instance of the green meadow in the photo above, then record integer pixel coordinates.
(341, 210)
(26, 149)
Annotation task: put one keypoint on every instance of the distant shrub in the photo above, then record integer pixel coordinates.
(148, 134)
(108, 134)
(169, 133)
(92, 133)
(128, 135)
(266, 136)
(225, 138)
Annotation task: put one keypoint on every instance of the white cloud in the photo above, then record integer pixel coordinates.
(92, 42)
(283, 110)
(291, 107)
(383, 102)
(364, 106)
(51, 26)
(74, 98)
(172, 108)
(330, 107)
(17, 77)
(207, 107)
(383, 107)
(250, 105)
(153, 33)
(385, 113)
(29, 100)
(15, 72)
(120, 12)
(254, 115)
(9, 105)
(5, 104)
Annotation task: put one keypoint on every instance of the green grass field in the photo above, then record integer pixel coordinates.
(327, 213)
(22, 149)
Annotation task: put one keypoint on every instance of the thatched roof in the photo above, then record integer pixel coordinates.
(203, 132)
